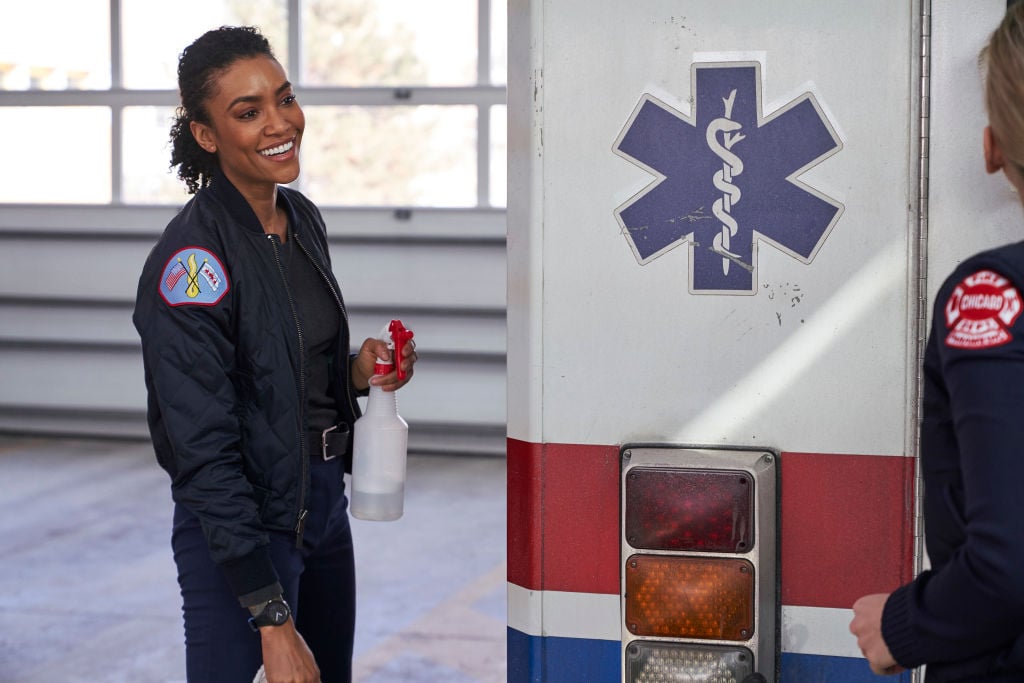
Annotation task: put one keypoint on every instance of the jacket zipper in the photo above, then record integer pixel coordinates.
(300, 523)
(344, 316)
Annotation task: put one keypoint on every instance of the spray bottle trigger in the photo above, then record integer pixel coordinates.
(399, 337)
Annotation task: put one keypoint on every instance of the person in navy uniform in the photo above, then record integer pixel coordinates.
(251, 387)
(964, 617)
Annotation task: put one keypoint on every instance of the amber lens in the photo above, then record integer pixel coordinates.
(690, 597)
(697, 510)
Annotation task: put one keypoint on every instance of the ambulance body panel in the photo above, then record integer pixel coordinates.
(850, 135)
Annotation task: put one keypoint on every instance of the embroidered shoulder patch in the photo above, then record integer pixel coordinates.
(193, 276)
(981, 310)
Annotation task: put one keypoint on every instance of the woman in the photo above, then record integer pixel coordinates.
(252, 392)
(964, 617)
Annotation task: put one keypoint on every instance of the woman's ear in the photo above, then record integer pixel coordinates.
(994, 160)
(204, 136)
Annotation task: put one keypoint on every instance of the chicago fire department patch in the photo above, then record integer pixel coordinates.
(193, 276)
(980, 311)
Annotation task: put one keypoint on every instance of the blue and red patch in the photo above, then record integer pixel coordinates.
(193, 275)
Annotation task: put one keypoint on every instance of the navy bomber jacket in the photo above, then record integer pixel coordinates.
(224, 364)
(964, 617)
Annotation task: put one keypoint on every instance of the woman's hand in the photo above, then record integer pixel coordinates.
(366, 359)
(867, 626)
(286, 657)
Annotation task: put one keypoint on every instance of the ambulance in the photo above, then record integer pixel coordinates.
(726, 224)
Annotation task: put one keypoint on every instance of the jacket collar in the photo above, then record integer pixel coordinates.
(227, 194)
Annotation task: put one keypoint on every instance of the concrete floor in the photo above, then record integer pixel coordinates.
(88, 591)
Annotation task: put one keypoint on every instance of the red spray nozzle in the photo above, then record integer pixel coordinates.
(399, 336)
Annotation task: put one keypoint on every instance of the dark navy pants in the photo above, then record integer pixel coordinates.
(318, 581)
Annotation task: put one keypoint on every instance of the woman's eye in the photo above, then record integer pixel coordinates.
(248, 114)
(289, 99)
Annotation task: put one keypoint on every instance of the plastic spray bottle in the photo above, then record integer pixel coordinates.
(380, 440)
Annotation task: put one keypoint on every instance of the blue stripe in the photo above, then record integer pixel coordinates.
(821, 669)
(532, 659)
(562, 660)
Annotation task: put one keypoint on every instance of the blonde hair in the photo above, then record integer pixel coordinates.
(1003, 63)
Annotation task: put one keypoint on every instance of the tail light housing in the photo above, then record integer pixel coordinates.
(699, 564)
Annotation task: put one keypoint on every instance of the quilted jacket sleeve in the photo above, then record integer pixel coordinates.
(189, 357)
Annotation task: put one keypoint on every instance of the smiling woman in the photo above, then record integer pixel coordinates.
(253, 125)
(252, 389)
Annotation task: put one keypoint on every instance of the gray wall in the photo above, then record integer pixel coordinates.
(70, 360)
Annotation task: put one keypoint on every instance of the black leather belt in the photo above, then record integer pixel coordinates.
(330, 443)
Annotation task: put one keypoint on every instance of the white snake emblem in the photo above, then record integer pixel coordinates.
(732, 166)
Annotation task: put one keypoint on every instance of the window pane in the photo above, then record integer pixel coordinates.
(499, 42)
(499, 155)
(39, 52)
(156, 33)
(75, 166)
(410, 155)
(148, 178)
(398, 42)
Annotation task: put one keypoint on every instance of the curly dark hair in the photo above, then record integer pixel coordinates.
(198, 67)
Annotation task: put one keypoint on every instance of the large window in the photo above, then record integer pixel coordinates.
(404, 99)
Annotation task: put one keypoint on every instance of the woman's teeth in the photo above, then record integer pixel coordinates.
(280, 149)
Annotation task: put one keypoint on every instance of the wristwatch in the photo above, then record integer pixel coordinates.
(273, 612)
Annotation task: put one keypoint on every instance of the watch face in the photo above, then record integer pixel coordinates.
(277, 612)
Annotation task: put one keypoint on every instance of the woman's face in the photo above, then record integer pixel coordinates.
(255, 126)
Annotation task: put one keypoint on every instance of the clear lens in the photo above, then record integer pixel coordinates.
(653, 662)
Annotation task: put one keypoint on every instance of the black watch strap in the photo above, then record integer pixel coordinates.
(274, 613)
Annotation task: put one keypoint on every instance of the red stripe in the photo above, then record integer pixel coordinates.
(847, 527)
(525, 476)
(563, 517)
(847, 522)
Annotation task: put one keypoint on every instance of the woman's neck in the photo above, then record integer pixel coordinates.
(271, 216)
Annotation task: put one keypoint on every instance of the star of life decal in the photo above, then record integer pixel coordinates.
(727, 178)
(193, 275)
(980, 310)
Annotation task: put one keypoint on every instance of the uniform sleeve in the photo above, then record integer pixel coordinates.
(974, 602)
(183, 315)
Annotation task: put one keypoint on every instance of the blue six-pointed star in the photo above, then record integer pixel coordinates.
(729, 178)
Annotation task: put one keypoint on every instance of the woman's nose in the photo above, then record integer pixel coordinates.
(275, 121)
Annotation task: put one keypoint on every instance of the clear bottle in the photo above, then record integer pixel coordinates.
(380, 440)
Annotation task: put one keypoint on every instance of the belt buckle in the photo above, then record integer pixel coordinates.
(323, 444)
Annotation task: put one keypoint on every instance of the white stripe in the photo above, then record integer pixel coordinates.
(818, 631)
(593, 616)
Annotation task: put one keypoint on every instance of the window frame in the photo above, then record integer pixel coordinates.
(483, 95)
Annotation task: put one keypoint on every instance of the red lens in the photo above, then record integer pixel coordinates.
(698, 510)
